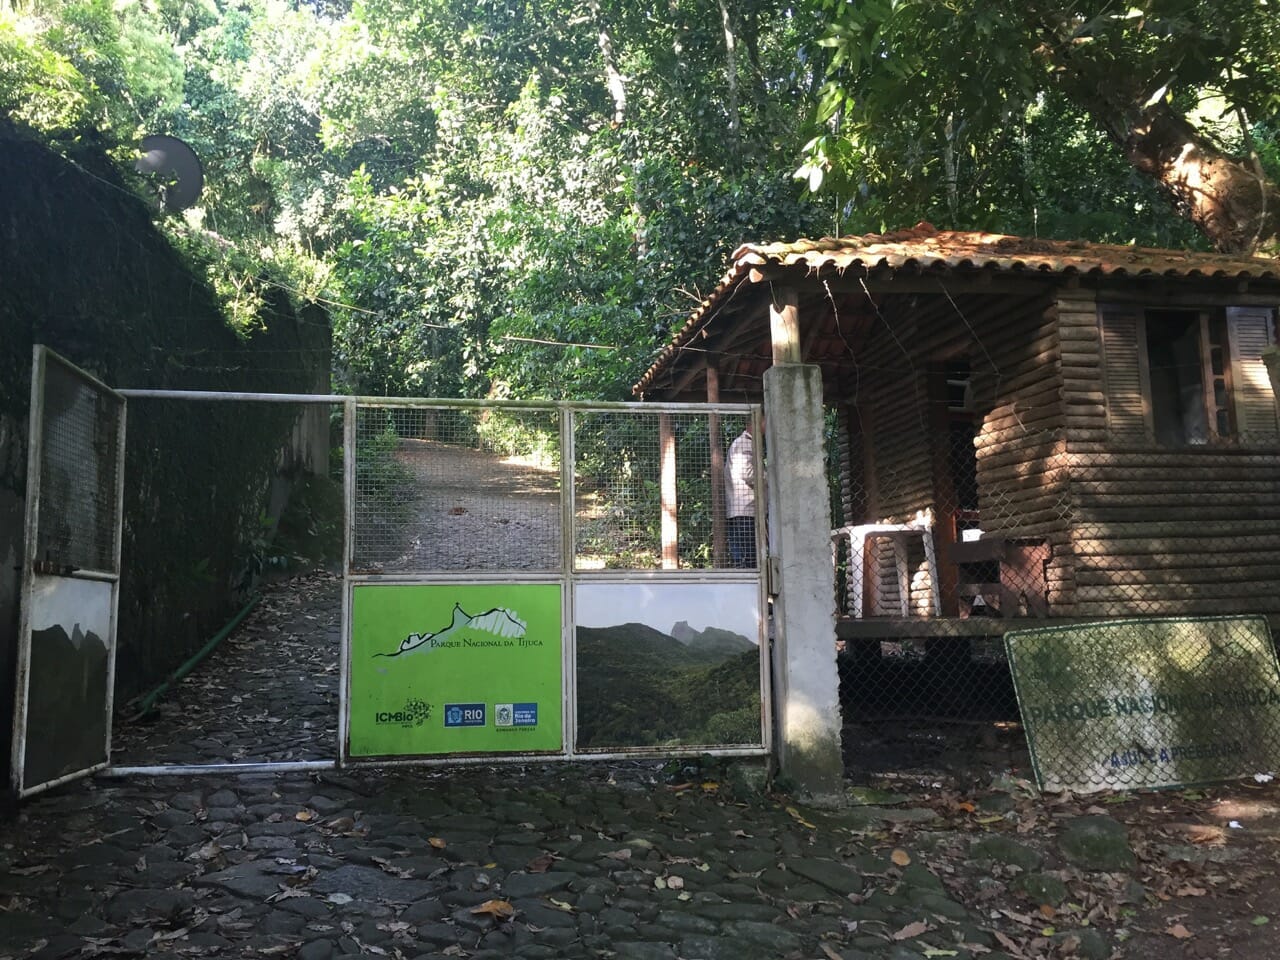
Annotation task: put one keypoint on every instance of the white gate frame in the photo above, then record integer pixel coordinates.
(567, 576)
(42, 356)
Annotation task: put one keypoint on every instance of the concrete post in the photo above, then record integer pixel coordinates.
(806, 691)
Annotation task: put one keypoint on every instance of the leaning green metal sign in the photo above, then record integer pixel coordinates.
(1162, 702)
(455, 669)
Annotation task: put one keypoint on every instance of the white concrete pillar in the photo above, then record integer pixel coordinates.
(806, 690)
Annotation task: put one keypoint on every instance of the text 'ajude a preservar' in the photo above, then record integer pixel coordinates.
(1158, 702)
(539, 580)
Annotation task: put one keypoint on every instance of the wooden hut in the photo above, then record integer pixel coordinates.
(1023, 428)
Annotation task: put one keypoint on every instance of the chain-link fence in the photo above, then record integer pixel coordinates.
(451, 488)
(978, 498)
(233, 506)
(658, 491)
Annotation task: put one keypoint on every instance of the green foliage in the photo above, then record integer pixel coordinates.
(1027, 136)
(522, 200)
(382, 477)
(38, 86)
(638, 686)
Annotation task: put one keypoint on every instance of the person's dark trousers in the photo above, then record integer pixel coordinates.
(741, 532)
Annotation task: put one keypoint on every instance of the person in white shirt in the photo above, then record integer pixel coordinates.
(740, 500)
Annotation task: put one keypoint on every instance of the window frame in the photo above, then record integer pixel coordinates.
(1126, 374)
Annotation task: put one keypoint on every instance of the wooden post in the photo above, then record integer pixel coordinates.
(784, 326)
(670, 530)
(719, 541)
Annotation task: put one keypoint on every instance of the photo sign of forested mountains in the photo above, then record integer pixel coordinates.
(639, 686)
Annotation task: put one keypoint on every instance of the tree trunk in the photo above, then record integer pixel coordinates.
(1231, 201)
(613, 77)
(1228, 198)
(730, 69)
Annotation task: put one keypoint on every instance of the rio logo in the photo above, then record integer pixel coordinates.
(464, 714)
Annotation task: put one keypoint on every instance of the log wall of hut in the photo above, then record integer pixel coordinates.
(895, 439)
(1159, 531)
(1021, 445)
(888, 417)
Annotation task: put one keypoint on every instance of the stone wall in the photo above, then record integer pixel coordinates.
(87, 273)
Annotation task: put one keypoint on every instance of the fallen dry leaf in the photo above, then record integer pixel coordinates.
(900, 857)
(30, 871)
(498, 909)
(911, 930)
(795, 815)
(389, 867)
(1047, 911)
(287, 893)
(831, 954)
(623, 854)
(1179, 931)
(437, 843)
(1010, 945)
(1205, 833)
(675, 883)
(304, 815)
(540, 864)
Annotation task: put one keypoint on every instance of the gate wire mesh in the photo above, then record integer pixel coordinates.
(457, 488)
(219, 497)
(442, 489)
(972, 501)
(78, 520)
(619, 496)
(662, 662)
(225, 499)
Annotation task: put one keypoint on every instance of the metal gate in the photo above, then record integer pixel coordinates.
(70, 577)
(553, 580)
(550, 580)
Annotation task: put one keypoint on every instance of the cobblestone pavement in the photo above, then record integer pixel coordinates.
(544, 861)
(268, 692)
(539, 862)
(636, 861)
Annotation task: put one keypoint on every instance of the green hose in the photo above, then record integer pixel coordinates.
(147, 704)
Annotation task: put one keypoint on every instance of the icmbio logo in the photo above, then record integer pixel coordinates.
(414, 714)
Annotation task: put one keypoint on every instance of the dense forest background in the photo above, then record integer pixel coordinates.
(508, 198)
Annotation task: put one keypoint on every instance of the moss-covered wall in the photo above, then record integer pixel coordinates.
(84, 270)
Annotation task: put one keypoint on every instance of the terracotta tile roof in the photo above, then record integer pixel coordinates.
(942, 251)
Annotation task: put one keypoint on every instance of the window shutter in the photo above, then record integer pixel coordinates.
(1125, 374)
(1250, 332)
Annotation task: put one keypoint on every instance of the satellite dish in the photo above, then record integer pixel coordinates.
(176, 167)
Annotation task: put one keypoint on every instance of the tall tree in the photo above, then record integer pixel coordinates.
(1181, 87)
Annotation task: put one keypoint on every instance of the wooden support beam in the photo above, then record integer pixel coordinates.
(784, 326)
(670, 529)
(719, 539)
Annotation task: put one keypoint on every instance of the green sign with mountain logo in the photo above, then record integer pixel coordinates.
(455, 669)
